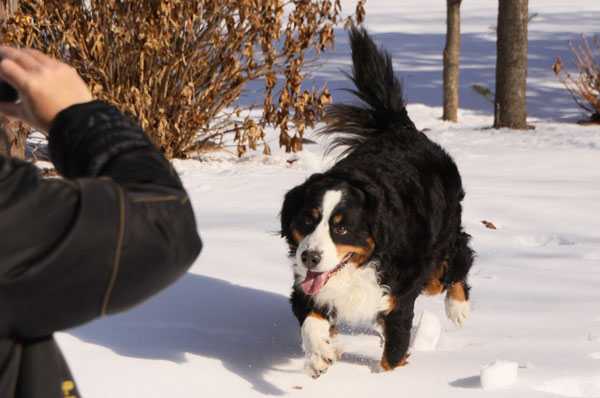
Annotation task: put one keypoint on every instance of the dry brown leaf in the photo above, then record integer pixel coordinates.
(488, 224)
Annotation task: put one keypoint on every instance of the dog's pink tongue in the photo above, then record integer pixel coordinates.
(314, 282)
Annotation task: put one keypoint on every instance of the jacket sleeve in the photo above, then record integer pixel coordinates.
(114, 231)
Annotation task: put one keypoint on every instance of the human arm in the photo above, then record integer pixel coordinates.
(116, 230)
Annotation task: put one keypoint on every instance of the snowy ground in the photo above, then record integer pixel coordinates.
(226, 329)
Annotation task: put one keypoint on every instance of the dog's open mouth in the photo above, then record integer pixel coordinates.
(315, 281)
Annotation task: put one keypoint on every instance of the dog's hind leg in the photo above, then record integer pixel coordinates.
(435, 285)
(457, 302)
(454, 279)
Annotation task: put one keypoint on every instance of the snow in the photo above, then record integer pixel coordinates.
(226, 328)
(499, 374)
(573, 387)
(427, 333)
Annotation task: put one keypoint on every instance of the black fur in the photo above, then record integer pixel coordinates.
(407, 189)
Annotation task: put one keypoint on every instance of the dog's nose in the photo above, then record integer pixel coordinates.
(310, 258)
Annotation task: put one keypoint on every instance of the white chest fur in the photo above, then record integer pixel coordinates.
(355, 294)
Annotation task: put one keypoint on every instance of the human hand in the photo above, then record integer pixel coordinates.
(45, 86)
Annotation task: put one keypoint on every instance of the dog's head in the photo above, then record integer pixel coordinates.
(327, 226)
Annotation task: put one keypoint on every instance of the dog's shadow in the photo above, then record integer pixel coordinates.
(251, 331)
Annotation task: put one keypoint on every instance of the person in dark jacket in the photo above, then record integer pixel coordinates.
(115, 230)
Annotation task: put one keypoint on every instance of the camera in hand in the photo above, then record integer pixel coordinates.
(8, 93)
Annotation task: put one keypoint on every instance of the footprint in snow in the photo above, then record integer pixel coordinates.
(576, 386)
(543, 240)
(591, 256)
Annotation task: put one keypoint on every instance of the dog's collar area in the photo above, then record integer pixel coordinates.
(315, 281)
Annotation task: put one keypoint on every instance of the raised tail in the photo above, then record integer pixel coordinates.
(382, 108)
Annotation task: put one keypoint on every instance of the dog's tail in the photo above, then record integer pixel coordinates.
(383, 109)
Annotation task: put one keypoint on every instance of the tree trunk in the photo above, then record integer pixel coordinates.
(13, 137)
(451, 60)
(511, 65)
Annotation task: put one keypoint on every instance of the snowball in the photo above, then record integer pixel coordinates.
(499, 374)
(428, 332)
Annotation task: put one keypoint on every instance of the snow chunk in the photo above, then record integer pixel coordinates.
(498, 374)
(428, 332)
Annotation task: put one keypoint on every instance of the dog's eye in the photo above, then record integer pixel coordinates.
(338, 229)
(308, 221)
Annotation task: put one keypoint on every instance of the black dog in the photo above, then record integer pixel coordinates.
(382, 226)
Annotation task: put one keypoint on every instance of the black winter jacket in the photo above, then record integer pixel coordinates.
(115, 230)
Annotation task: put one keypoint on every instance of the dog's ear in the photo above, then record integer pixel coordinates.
(293, 202)
(377, 211)
(291, 206)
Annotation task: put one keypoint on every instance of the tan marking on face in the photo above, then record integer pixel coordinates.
(457, 292)
(315, 213)
(361, 253)
(337, 219)
(435, 286)
(342, 250)
(297, 236)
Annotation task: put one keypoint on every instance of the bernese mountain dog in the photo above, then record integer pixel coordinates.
(380, 227)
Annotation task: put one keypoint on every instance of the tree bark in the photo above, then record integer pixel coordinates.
(8, 7)
(13, 137)
(451, 60)
(510, 107)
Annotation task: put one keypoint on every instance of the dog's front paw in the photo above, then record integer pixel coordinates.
(456, 310)
(317, 345)
(317, 364)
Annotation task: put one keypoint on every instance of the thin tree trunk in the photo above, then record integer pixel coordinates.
(13, 138)
(4, 144)
(451, 60)
(12, 134)
(7, 7)
(511, 65)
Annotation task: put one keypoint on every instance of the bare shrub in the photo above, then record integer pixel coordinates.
(178, 67)
(585, 89)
